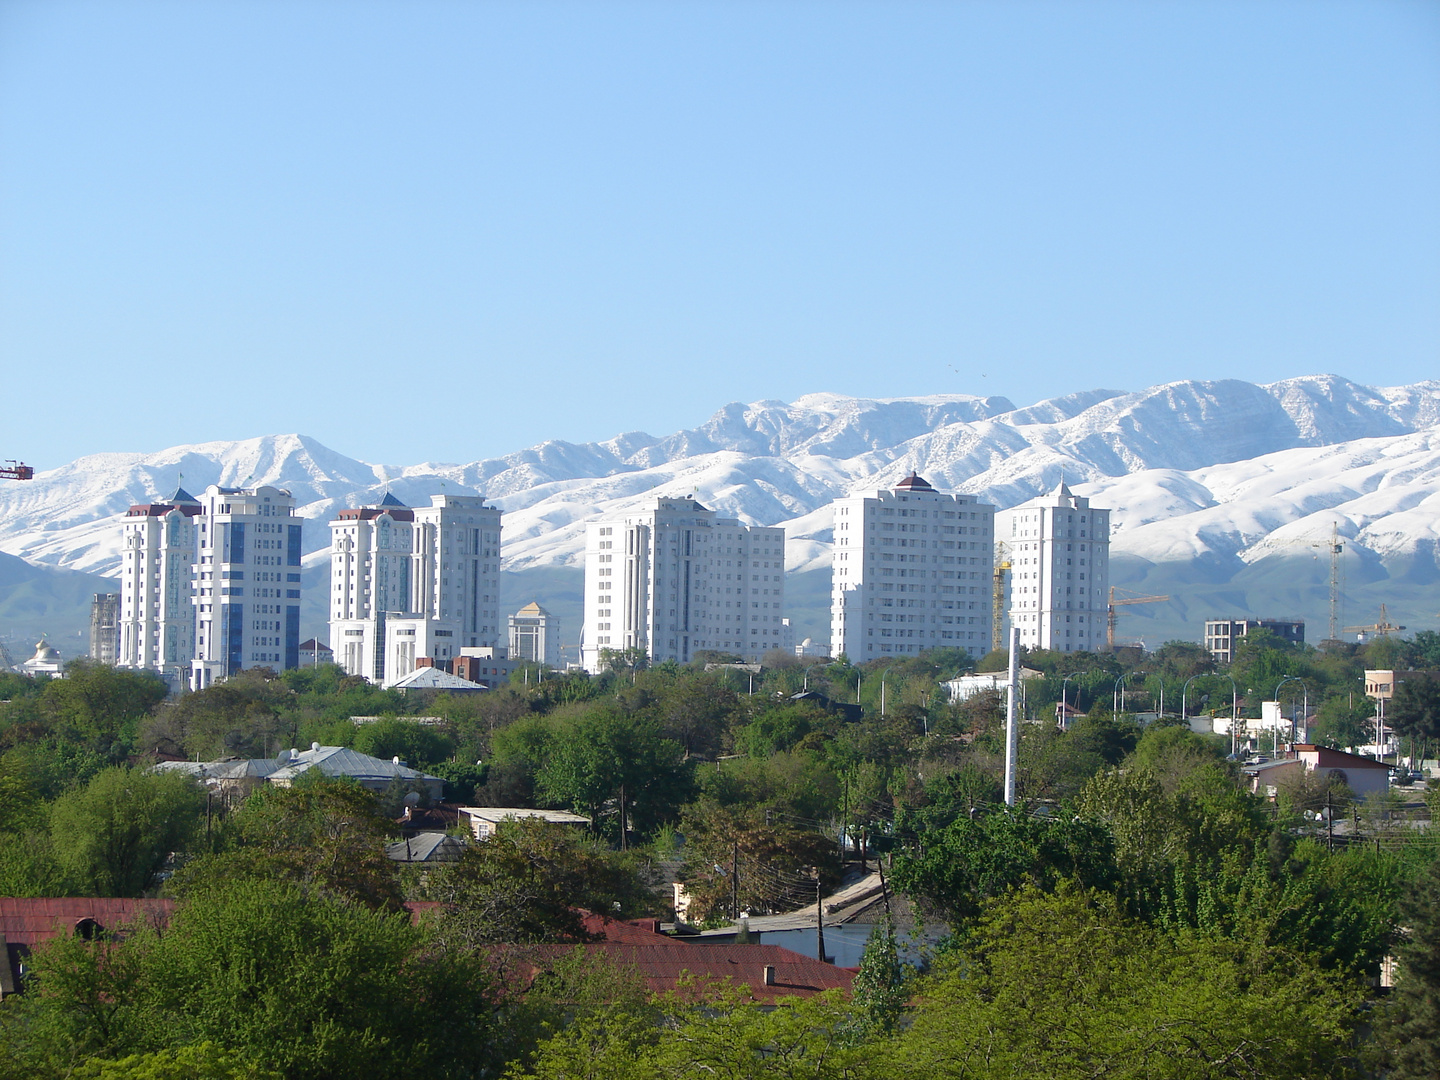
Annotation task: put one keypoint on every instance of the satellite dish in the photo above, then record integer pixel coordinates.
(412, 798)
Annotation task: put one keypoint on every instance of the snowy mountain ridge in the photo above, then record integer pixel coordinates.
(1217, 474)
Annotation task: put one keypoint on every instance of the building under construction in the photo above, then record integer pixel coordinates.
(1223, 635)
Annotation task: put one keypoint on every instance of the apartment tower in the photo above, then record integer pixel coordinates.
(679, 578)
(911, 572)
(155, 616)
(247, 582)
(1060, 572)
(409, 583)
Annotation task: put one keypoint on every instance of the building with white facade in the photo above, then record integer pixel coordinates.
(911, 572)
(155, 614)
(411, 583)
(535, 636)
(679, 578)
(247, 582)
(1060, 572)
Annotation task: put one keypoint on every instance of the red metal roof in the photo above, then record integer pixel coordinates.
(26, 921)
(1339, 759)
(368, 513)
(691, 969)
(634, 932)
(160, 510)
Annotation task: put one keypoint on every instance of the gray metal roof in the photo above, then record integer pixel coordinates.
(433, 678)
(343, 761)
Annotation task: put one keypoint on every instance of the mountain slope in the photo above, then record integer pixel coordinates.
(1202, 477)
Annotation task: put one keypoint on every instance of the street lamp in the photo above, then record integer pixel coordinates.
(1117, 703)
(1064, 685)
(1305, 706)
(1185, 690)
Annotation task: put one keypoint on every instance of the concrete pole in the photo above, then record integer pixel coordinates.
(1012, 700)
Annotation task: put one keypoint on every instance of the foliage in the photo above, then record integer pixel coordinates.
(719, 1037)
(300, 985)
(112, 837)
(1410, 1028)
(197, 1061)
(1064, 986)
(760, 860)
(607, 764)
(881, 985)
(1414, 709)
(421, 746)
(956, 870)
(99, 706)
(1341, 722)
(524, 884)
(324, 835)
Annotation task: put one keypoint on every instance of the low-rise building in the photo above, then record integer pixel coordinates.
(963, 687)
(484, 820)
(46, 661)
(374, 774)
(1361, 775)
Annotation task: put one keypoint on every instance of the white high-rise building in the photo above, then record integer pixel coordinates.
(247, 582)
(460, 538)
(911, 572)
(156, 609)
(409, 583)
(1060, 572)
(680, 578)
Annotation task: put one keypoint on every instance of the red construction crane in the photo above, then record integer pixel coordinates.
(16, 470)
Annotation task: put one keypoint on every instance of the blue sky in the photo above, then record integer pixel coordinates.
(444, 231)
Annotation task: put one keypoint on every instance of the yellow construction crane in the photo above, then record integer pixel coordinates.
(1383, 628)
(1335, 548)
(1111, 615)
(997, 597)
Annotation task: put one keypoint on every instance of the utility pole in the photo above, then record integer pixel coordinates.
(735, 881)
(1012, 735)
(1329, 823)
(819, 919)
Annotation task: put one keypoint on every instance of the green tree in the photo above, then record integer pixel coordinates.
(956, 870)
(762, 860)
(197, 1061)
(881, 986)
(1342, 722)
(1415, 707)
(419, 745)
(112, 837)
(1065, 986)
(609, 760)
(273, 975)
(1410, 1030)
(100, 706)
(324, 835)
(527, 883)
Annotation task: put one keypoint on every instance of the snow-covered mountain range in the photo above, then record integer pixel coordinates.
(1208, 481)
